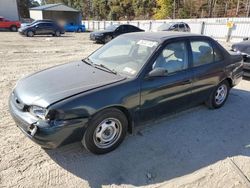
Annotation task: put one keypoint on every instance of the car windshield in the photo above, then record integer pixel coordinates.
(123, 55)
(112, 27)
(164, 27)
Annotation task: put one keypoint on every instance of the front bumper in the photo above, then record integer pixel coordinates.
(22, 32)
(96, 38)
(48, 134)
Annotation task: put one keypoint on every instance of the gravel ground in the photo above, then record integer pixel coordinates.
(194, 148)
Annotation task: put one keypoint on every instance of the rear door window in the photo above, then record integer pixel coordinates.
(204, 53)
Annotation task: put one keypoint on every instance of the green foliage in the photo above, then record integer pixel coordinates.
(164, 9)
(101, 8)
(144, 9)
(24, 5)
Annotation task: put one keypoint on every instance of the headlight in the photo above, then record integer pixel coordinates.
(38, 111)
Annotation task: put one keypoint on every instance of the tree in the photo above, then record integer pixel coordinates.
(101, 8)
(143, 8)
(24, 5)
(164, 9)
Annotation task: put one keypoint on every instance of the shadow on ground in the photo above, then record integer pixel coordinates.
(170, 148)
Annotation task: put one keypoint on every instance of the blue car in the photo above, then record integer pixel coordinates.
(74, 28)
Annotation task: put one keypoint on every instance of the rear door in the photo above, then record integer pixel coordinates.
(51, 27)
(207, 66)
(170, 93)
(44, 28)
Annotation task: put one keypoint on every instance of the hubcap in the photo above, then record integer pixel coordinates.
(14, 29)
(30, 33)
(107, 133)
(221, 94)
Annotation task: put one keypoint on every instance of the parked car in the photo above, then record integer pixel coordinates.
(74, 28)
(42, 28)
(132, 79)
(7, 24)
(174, 26)
(243, 48)
(113, 31)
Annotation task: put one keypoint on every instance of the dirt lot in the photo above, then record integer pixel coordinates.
(195, 148)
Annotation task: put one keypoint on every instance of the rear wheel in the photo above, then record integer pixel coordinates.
(57, 33)
(30, 34)
(106, 131)
(13, 28)
(219, 96)
(79, 30)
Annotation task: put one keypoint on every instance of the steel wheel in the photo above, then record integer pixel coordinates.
(30, 34)
(107, 133)
(13, 28)
(221, 94)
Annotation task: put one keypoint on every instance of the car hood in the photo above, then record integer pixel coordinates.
(54, 84)
(243, 47)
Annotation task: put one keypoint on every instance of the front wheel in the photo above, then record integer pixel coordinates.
(105, 132)
(107, 38)
(219, 96)
(30, 34)
(13, 28)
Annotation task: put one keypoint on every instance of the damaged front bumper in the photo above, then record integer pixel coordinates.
(48, 134)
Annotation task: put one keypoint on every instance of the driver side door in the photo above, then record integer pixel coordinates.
(166, 94)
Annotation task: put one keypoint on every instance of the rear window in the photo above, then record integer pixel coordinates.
(204, 53)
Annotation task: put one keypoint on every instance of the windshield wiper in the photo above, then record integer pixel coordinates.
(87, 61)
(105, 67)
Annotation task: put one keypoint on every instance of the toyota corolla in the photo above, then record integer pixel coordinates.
(135, 78)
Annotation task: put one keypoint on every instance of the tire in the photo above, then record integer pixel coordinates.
(107, 38)
(219, 96)
(106, 131)
(79, 30)
(57, 33)
(13, 28)
(30, 34)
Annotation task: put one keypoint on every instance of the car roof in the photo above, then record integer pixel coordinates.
(45, 20)
(160, 36)
(177, 23)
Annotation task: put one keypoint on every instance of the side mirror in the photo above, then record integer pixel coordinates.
(157, 72)
(37, 26)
